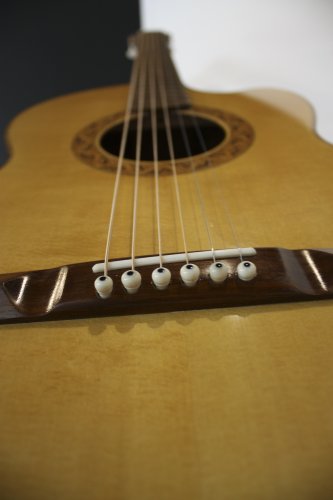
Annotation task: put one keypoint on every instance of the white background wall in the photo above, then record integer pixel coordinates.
(230, 45)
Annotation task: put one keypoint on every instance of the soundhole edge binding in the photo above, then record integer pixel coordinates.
(236, 136)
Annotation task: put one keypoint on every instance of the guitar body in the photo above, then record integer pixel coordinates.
(211, 404)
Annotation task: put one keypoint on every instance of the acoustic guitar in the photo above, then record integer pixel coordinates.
(166, 278)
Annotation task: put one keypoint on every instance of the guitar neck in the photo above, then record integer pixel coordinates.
(154, 66)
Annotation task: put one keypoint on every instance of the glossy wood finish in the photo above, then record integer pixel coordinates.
(231, 403)
(68, 292)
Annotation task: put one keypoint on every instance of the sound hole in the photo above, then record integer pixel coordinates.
(212, 134)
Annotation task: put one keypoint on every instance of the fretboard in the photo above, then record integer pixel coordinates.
(152, 54)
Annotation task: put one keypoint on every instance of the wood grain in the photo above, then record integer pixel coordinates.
(211, 404)
(68, 292)
(239, 137)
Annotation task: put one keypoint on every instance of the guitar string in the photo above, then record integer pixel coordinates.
(166, 115)
(222, 197)
(153, 115)
(204, 148)
(218, 186)
(128, 112)
(194, 176)
(138, 145)
(163, 96)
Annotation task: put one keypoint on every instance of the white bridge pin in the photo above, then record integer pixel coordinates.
(218, 272)
(103, 286)
(131, 280)
(161, 278)
(246, 270)
(190, 273)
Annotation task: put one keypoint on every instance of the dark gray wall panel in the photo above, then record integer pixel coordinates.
(48, 48)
